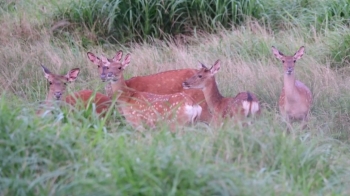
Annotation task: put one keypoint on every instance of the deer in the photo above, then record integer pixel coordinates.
(167, 82)
(243, 105)
(57, 88)
(296, 98)
(142, 109)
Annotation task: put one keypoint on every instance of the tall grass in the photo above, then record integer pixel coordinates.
(73, 151)
(139, 20)
(120, 21)
(46, 156)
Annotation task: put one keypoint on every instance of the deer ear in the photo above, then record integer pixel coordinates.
(46, 71)
(118, 56)
(202, 65)
(215, 68)
(73, 74)
(126, 60)
(277, 53)
(94, 59)
(299, 53)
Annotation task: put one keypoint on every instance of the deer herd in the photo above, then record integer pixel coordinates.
(177, 97)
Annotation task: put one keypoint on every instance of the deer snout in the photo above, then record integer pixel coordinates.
(185, 85)
(103, 77)
(289, 70)
(58, 95)
(109, 75)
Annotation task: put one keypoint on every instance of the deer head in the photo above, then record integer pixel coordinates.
(98, 61)
(288, 61)
(58, 82)
(114, 69)
(199, 80)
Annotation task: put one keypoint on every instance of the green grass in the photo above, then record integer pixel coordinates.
(46, 156)
(73, 151)
(119, 21)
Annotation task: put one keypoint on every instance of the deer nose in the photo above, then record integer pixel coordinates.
(103, 77)
(289, 70)
(58, 95)
(185, 84)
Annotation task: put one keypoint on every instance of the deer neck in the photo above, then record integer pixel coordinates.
(289, 87)
(108, 89)
(118, 89)
(212, 94)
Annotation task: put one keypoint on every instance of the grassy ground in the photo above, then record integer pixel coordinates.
(77, 153)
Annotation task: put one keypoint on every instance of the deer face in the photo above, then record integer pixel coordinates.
(103, 70)
(114, 68)
(199, 80)
(288, 61)
(58, 83)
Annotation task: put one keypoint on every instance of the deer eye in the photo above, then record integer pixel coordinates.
(295, 61)
(107, 67)
(199, 76)
(50, 83)
(282, 61)
(98, 66)
(120, 68)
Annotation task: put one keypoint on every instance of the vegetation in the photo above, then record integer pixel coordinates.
(75, 152)
(117, 20)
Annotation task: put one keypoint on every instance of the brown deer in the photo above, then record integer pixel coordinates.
(244, 104)
(57, 90)
(168, 82)
(296, 98)
(143, 108)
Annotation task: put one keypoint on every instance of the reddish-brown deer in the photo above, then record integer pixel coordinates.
(296, 99)
(143, 108)
(102, 69)
(167, 82)
(244, 104)
(57, 90)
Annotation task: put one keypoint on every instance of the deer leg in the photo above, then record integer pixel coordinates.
(289, 123)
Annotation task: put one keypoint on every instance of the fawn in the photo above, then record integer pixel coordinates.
(167, 82)
(143, 108)
(244, 104)
(57, 90)
(296, 99)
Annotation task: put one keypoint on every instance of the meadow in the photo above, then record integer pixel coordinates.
(75, 152)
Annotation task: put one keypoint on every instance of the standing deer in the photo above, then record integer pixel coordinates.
(57, 90)
(141, 108)
(168, 82)
(244, 104)
(296, 98)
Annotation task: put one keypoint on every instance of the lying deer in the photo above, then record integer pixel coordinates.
(244, 104)
(168, 82)
(57, 90)
(296, 98)
(143, 108)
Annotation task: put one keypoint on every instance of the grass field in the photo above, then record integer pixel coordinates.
(74, 152)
